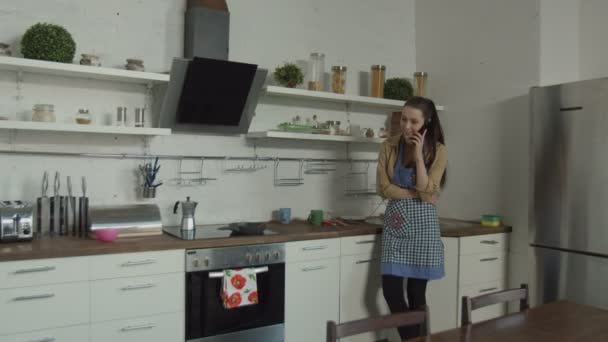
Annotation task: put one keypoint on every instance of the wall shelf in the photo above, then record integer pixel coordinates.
(80, 71)
(338, 98)
(76, 128)
(307, 136)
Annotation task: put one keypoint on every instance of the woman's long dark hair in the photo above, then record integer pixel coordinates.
(434, 132)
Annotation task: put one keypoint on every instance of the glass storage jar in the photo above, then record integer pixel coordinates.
(316, 71)
(420, 83)
(44, 113)
(338, 79)
(378, 75)
(83, 117)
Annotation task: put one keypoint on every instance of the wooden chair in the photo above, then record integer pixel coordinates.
(472, 303)
(420, 318)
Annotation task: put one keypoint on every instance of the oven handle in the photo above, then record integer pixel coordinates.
(221, 274)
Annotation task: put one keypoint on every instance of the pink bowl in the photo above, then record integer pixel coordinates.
(107, 235)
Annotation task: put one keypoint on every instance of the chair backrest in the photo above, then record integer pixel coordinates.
(472, 303)
(419, 317)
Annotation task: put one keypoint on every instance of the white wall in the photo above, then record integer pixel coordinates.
(559, 41)
(354, 33)
(482, 57)
(593, 28)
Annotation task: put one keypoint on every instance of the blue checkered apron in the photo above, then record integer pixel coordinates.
(411, 240)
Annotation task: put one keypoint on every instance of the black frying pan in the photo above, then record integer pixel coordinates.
(247, 228)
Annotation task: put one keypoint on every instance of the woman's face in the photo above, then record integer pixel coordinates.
(412, 121)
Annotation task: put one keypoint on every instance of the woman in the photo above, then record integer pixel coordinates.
(411, 170)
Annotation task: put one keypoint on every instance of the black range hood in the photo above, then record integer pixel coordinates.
(206, 92)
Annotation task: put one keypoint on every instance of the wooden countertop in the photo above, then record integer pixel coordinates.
(60, 246)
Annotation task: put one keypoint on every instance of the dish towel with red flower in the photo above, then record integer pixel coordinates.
(239, 288)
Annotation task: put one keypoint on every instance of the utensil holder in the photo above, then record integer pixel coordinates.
(148, 192)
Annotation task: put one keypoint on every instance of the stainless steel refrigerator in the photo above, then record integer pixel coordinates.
(569, 192)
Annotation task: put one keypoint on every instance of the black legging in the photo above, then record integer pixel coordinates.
(392, 288)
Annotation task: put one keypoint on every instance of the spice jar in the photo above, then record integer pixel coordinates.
(316, 71)
(83, 117)
(5, 49)
(44, 113)
(338, 79)
(378, 75)
(420, 83)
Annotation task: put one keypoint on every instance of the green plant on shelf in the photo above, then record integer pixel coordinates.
(288, 75)
(48, 42)
(398, 89)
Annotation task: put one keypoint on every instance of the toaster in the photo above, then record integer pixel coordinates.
(16, 221)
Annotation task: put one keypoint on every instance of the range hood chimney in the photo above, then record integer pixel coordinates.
(207, 92)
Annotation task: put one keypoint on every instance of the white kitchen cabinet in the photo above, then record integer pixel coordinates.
(44, 306)
(312, 293)
(361, 292)
(60, 299)
(442, 294)
(156, 328)
(483, 269)
(77, 333)
(136, 296)
(43, 271)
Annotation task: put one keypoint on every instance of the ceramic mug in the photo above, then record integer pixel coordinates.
(316, 217)
(285, 215)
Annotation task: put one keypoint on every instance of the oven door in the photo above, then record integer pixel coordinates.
(207, 320)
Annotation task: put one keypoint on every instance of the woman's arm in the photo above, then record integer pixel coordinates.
(428, 183)
(384, 187)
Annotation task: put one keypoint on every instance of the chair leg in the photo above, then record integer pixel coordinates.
(465, 314)
(332, 334)
(524, 304)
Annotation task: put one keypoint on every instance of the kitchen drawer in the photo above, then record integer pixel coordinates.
(481, 268)
(137, 264)
(362, 244)
(43, 307)
(479, 289)
(312, 249)
(156, 328)
(78, 333)
(484, 244)
(136, 296)
(43, 271)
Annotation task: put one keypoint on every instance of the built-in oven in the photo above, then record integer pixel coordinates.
(206, 318)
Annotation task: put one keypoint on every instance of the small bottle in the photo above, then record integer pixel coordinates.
(378, 74)
(83, 117)
(121, 116)
(139, 117)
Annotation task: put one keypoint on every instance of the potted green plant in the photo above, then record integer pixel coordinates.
(48, 42)
(398, 89)
(289, 75)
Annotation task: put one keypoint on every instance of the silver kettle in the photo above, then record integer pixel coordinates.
(188, 208)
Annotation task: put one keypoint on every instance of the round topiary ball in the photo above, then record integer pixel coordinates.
(48, 42)
(398, 89)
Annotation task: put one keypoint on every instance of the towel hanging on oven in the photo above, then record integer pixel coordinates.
(239, 288)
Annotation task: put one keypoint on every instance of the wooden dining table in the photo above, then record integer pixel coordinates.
(561, 321)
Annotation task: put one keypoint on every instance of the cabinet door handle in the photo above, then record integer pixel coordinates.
(137, 287)
(40, 296)
(488, 289)
(365, 241)
(138, 327)
(137, 263)
(313, 268)
(32, 270)
(46, 339)
(314, 248)
(489, 242)
(364, 261)
(488, 259)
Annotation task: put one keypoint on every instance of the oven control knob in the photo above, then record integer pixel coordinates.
(206, 262)
(196, 263)
(267, 257)
(276, 255)
(258, 257)
(249, 257)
